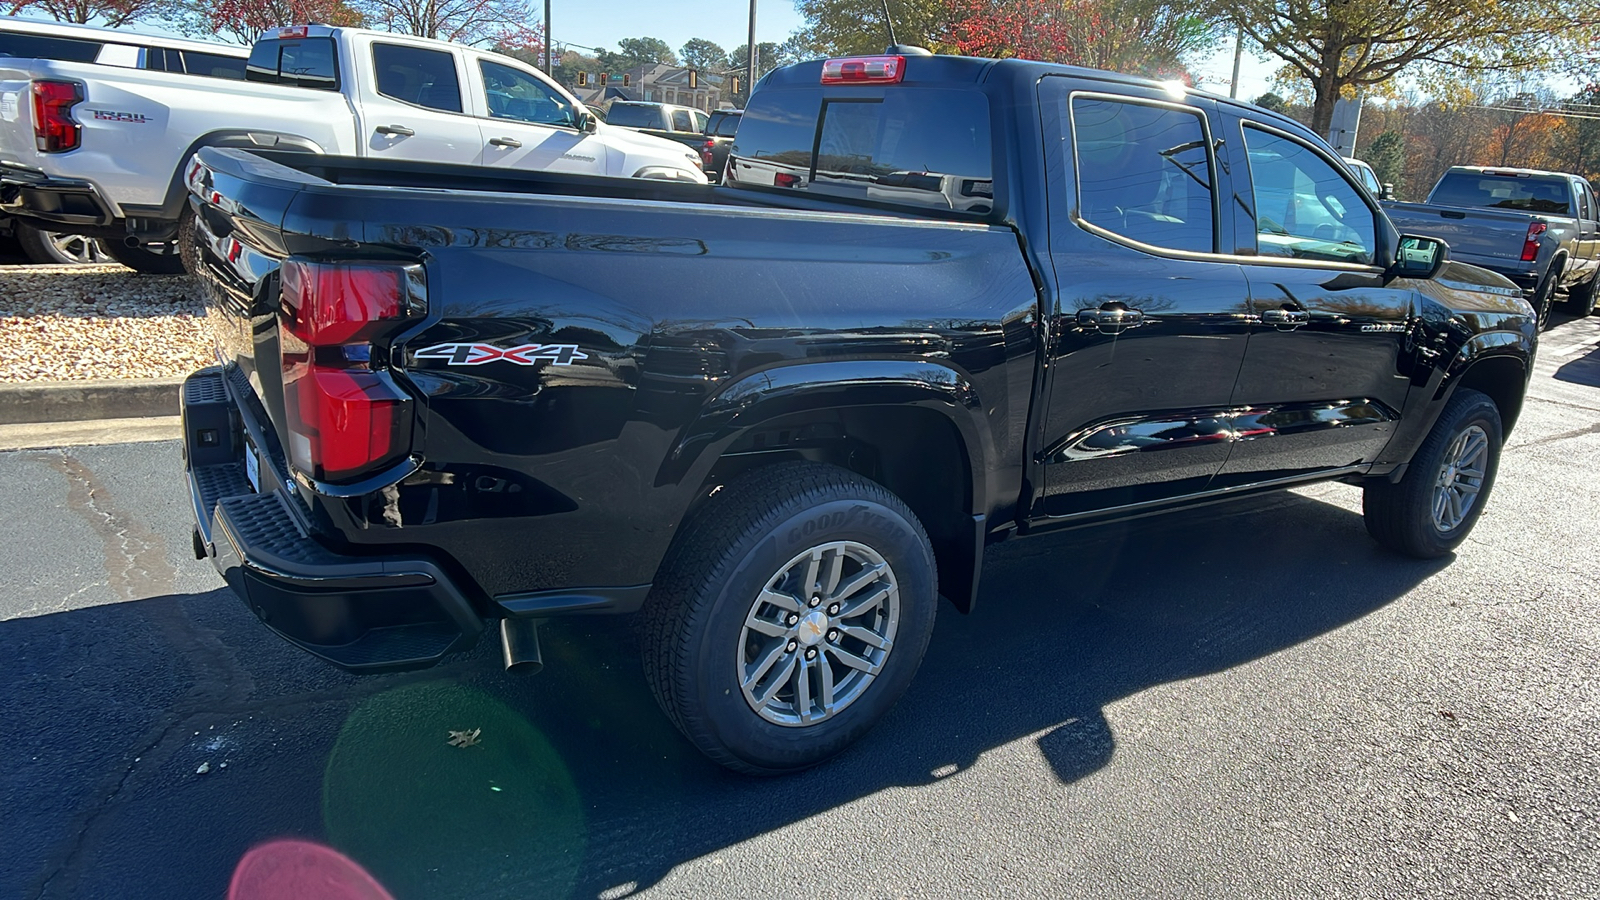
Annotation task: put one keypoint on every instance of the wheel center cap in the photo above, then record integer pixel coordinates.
(813, 627)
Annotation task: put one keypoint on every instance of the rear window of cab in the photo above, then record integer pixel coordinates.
(928, 148)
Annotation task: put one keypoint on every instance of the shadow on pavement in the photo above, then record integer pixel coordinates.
(577, 785)
(1584, 370)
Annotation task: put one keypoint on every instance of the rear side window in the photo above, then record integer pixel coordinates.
(682, 121)
(919, 147)
(633, 116)
(416, 75)
(1524, 193)
(38, 46)
(301, 62)
(1144, 173)
(213, 65)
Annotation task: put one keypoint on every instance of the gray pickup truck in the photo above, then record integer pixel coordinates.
(1540, 229)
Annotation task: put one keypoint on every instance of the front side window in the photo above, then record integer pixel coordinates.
(1304, 208)
(1144, 173)
(516, 95)
(417, 75)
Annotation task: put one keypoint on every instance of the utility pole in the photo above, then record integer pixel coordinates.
(549, 48)
(750, 70)
(1238, 52)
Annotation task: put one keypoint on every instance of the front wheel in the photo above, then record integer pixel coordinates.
(1430, 510)
(1580, 298)
(791, 614)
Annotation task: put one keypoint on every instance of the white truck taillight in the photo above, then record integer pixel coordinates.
(54, 129)
(344, 415)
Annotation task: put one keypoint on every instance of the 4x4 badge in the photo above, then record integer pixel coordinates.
(522, 355)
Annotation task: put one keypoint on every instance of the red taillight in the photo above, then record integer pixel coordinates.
(864, 70)
(294, 31)
(54, 130)
(343, 415)
(706, 157)
(784, 179)
(1530, 246)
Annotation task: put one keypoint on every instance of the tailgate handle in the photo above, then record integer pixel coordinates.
(1452, 214)
(505, 142)
(400, 130)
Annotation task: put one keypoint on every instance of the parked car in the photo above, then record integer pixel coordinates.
(720, 128)
(1369, 178)
(100, 150)
(780, 420)
(24, 39)
(683, 124)
(1540, 229)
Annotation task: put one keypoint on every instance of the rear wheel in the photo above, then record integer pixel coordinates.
(1545, 295)
(148, 259)
(51, 248)
(791, 614)
(1430, 510)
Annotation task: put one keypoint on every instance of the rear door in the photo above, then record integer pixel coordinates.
(1324, 380)
(526, 124)
(412, 106)
(1149, 320)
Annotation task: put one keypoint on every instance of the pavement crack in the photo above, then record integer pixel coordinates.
(135, 556)
(1564, 436)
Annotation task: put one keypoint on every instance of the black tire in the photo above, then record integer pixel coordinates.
(151, 259)
(1401, 516)
(1544, 297)
(44, 247)
(1580, 298)
(693, 627)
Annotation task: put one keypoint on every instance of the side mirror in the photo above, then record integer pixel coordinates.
(1419, 257)
(1386, 191)
(587, 123)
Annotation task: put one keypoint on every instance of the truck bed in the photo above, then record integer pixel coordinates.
(1483, 237)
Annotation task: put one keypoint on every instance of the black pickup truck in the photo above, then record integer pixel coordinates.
(940, 303)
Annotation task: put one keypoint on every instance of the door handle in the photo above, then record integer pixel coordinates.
(400, 130)
(1111, 318)
(505, 142)
(1286, 319)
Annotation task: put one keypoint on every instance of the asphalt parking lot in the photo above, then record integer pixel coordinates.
(1239, 701)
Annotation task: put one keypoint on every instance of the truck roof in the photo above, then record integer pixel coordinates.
(19, 25)
(1510, 170)
(946, 69)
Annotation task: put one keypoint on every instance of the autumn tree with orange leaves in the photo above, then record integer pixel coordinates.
(1144, 37)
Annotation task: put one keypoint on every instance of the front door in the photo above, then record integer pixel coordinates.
(1325, 377)
(526, 125)
(1150, 322)
(414, 108)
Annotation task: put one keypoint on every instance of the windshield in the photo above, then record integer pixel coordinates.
(1484, 190)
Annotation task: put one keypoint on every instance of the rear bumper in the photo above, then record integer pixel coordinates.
(360, 613)
(31, 194)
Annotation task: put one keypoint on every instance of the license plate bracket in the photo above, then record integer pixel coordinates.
(252, 466)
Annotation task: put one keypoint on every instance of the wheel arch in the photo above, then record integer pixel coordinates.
(914, 426)
(245, 138)
(1503, 376)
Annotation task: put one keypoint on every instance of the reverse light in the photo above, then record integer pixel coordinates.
(344, 416)
(54, 129)
(1530, 245)
(864, 70)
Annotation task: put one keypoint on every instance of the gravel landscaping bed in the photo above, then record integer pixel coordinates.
(61, 323)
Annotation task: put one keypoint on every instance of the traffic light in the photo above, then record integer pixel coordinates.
(626, 79)
(604, 78)
(583, 79)
(694, 79)
(735, 84)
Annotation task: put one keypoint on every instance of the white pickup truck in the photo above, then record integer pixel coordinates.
(101, 151)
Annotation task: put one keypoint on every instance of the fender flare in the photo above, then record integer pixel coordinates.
(761, 396)
(245, 138)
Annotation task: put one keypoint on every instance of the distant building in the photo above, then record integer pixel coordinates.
(659, 83)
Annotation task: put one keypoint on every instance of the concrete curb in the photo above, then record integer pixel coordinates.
(81, 401)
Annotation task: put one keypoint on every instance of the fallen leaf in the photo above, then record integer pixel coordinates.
(464, 738)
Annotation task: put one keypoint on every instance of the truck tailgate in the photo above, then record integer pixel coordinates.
(1476, 236)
